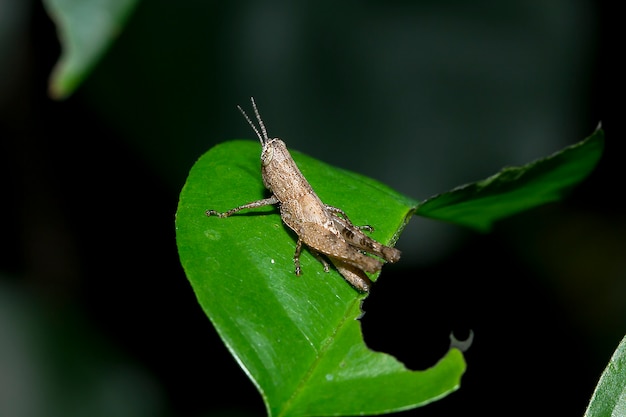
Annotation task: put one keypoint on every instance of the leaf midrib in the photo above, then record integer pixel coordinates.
(324, 347)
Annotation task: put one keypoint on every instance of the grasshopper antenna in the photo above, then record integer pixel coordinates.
(264, 139)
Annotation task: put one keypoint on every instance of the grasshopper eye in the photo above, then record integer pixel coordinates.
(267, 155)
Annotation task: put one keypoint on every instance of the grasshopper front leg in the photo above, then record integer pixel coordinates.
(259, 203)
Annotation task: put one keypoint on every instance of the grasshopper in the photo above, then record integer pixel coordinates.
(324, 229)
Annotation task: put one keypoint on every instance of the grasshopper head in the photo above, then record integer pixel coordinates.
(274, 150)
(269, 145)
(267, 154)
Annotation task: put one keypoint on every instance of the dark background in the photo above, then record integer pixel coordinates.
(96, 315)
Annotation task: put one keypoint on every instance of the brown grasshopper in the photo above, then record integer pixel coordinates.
(322, 228)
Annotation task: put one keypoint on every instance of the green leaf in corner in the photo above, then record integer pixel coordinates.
(609, 398)
(478, 205)
(297, 338)
(86, 28)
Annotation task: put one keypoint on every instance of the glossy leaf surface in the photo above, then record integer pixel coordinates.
(609, 398)
(297, 338)
(514, 189)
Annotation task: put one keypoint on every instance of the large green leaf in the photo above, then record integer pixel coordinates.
(514, 189)
(86, 28)
(297, 338)
(609, 398)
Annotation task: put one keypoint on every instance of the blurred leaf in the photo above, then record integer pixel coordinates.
(297, 338)
(59, 364)
(609, 398)
(514, 189)
(86, 28)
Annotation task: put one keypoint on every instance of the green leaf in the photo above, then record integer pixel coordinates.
(609, 398)
(297, 338)
(86, 28)
(514, 189)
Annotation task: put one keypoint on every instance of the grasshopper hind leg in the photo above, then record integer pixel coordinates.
(337, 212)
(355, 276)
